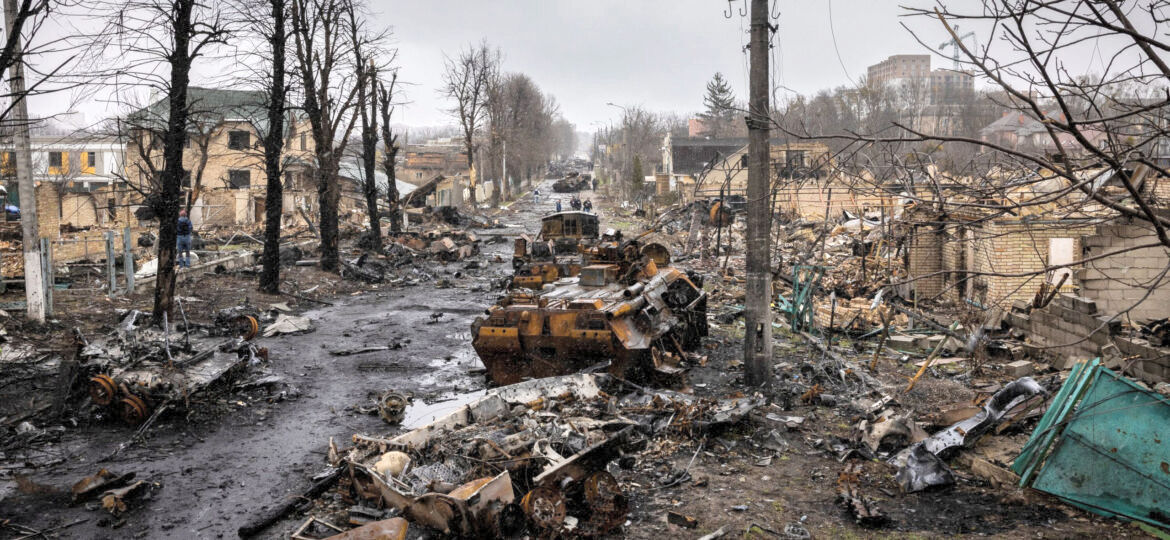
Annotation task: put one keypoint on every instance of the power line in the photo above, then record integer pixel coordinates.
(833, 33)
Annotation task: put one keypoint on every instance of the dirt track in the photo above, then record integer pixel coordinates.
(241, 452)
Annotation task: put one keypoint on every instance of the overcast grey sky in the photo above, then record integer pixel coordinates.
(655, 53)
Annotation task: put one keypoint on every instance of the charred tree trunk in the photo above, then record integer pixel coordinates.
(390, 158)
(328, 196)
(757, 342)
(173, 142)
(471, 176)
(368, 105)
(273, 147)
(390, 165)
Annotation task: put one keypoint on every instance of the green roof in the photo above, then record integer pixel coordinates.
(208, 105)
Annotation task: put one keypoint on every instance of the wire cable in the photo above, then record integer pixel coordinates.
(833, 33)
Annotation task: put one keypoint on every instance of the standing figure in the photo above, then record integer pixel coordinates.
(183, 229)
(558, 205)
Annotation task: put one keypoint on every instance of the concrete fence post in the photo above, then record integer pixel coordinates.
(110, 268)
(128, 260)
(47, 272)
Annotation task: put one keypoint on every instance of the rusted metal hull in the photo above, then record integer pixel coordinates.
(633, 331)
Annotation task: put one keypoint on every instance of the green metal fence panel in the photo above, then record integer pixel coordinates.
(1112, 451)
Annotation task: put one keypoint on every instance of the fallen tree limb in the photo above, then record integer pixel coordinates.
(284, 509)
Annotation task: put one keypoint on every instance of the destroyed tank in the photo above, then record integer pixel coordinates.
(574, 181)
(624, 310)
(547, 258)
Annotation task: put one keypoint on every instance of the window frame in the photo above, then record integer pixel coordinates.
(232, 184)
(235, 144)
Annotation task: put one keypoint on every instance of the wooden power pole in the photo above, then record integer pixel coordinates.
(34, 288)
(757, 343)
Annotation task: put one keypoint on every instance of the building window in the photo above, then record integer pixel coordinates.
(7, 164)
(239, 140)
(88, 162)
(303, 141)
(57, 164)
(240, 179)
(288, 180)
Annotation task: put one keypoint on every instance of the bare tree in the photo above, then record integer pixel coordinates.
(320, 29)
(639, 136)
(150, 36)
(24, 41)
(466, 80)
(366, 52)
(385, 97)
(274, 148)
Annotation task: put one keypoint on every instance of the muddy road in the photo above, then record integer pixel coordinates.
(240, 452)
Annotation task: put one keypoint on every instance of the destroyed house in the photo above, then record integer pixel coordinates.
(75, 171)
(728, 174)
(1079, 280)
(223, 158)
(988, 257)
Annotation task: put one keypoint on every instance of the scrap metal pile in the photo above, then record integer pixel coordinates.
(535, 457)
(138, 370)
(628, 311)
(404, 254)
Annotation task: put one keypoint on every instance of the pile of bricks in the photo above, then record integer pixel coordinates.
(855, 314)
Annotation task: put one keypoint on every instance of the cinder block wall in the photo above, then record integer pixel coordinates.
(1121, 282)
(1072, 329)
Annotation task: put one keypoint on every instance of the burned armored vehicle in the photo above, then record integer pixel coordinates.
(573, 181)
(623, 310)
(556, 251)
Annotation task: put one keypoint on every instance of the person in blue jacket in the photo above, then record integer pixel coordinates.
(183, 229)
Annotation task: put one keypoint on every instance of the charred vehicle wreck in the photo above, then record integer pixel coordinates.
(627, 311)
(556, 251)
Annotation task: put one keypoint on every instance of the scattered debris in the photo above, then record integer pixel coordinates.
(920, 466)
(288, 324)
(863, 509)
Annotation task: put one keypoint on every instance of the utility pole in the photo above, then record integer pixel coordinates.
(757, 342)
(34, 287)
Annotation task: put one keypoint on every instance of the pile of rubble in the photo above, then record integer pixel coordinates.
(537, 456)
(404, 256)
(138, 371)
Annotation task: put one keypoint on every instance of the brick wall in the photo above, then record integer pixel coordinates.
(48, 210)
(1071, 329)
(952, 261)
(79, 210)
(925, 249)
(1121, 282)
(1020, 248)
(809, 198)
